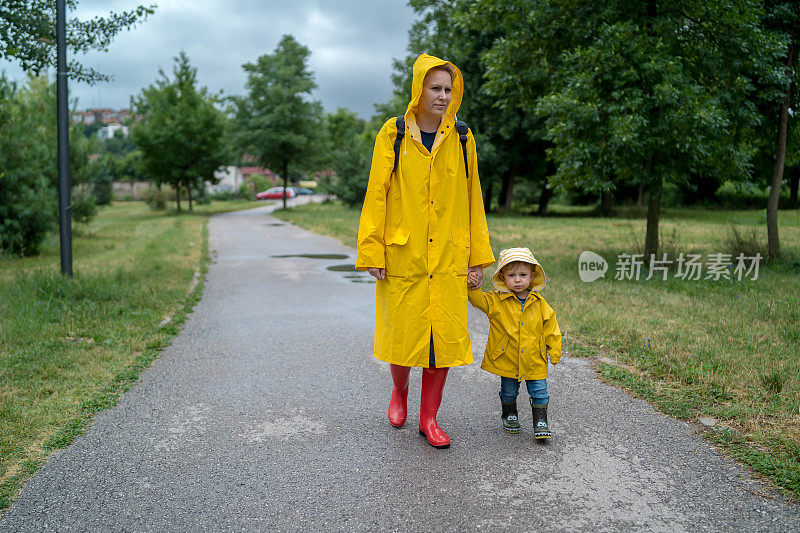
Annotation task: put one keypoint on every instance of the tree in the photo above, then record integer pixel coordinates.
(277, 124)
(639, 92)
(182, 134)
(793, 161)
(28, 35)
(349, 150)
(510, 142)
(27, 197)
(28, 190)
(784, 18)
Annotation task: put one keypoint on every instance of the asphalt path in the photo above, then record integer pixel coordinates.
(268, 412)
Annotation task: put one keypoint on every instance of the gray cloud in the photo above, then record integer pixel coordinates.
(352, 45)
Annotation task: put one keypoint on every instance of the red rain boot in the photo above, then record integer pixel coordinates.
(397, 405)
(432, 385)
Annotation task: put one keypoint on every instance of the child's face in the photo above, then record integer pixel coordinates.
(518, 276)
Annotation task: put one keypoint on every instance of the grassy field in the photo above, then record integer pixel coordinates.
(69, 348)
(725, 349)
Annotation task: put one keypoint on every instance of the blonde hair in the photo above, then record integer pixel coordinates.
(505, 268)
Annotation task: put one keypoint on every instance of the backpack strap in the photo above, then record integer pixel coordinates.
(400, 122)
(463, 129)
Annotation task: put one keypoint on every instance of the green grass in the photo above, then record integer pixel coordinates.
(70, 347)
(722, 349)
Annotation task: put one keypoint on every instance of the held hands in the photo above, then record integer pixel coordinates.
(378, 273)
(474, 277)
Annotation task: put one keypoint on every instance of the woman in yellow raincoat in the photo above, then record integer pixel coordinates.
(422, 229)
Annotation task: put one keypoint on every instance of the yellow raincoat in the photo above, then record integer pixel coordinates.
(519, 338)
(425, 225)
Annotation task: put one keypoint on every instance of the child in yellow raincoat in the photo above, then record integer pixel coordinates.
(523, 331)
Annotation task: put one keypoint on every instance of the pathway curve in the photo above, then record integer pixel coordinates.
(268, 412)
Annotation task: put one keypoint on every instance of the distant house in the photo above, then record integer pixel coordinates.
(260, 171)
(104, 115)
(230, 177)
(107, 132)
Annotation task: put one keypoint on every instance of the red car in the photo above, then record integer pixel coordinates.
(275, 193)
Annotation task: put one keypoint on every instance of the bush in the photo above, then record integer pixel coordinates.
(27, 213)
(102, 188)
(28, 194)
(742, 196)
(748, 242)
(352, 172)
(246, 191)
(261, 183)
(83, 206)
(201, 197)
(224, 196)
(156, 199)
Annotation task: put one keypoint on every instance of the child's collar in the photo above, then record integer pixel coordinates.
(532, 294)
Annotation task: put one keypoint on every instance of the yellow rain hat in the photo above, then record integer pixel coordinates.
(509, 255)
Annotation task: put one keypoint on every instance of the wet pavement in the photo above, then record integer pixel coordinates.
(268, 412)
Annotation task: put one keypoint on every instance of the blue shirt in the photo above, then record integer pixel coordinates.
(427, 139)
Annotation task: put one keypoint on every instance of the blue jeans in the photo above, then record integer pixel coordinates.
(537, 388)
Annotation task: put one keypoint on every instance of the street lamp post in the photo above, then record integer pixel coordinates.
(64, 187)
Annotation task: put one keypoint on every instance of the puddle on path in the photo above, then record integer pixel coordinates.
(359, 277)
(355, 276)
(343, 268)
(275, 224)
(316, 256)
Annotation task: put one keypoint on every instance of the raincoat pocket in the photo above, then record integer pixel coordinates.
(396, 252)
(499, 348)
(461, 250)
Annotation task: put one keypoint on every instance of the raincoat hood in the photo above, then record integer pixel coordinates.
(509, 255)
(421, 67)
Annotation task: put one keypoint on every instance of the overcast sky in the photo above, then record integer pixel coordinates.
(352, 44)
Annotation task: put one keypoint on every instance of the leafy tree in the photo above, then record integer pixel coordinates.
(27, 196)
(28, 175)
(793, 160)
(510, 142)
(639, 92)
(278, 125)
(784, 18)
(28, 35)
(349, 151)
(182, 134)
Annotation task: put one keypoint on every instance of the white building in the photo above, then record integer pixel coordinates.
(107, 132)
(230, 178)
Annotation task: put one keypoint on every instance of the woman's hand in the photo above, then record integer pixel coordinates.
(378, 273)
(474, 277)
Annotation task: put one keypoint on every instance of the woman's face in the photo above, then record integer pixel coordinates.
(436, 93)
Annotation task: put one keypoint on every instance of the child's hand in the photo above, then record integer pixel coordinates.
(472, 280)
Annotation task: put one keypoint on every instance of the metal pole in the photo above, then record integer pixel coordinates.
(64, 187)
